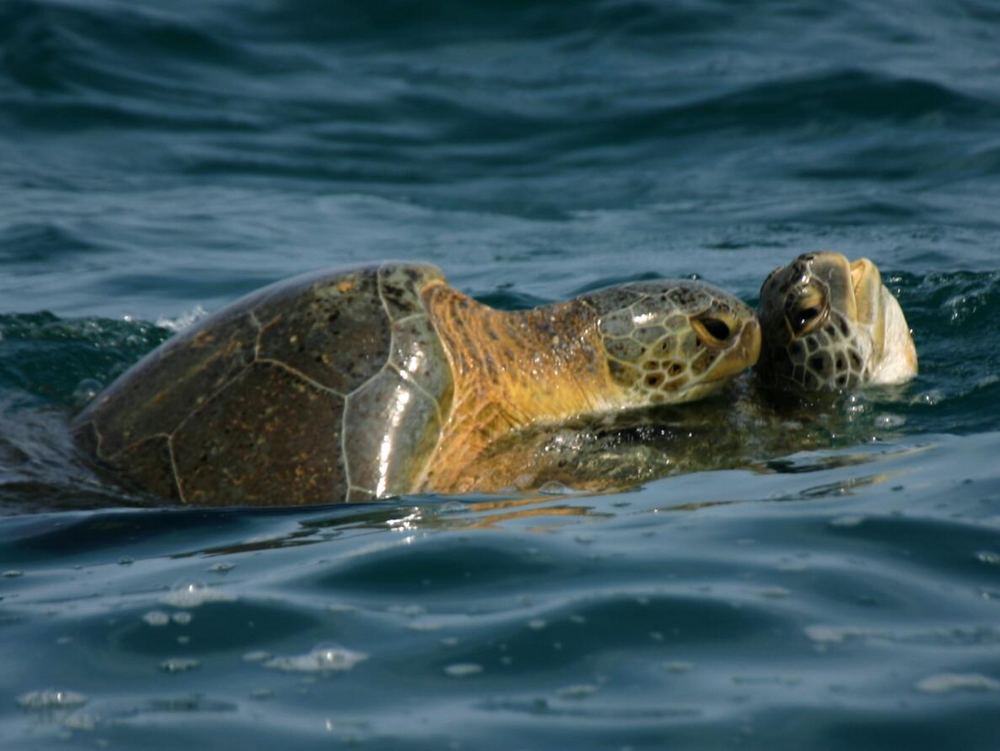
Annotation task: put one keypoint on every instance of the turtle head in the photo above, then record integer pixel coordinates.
(830, 323)
(674, 341)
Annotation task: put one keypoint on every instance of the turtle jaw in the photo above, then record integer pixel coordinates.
(894, 356)
(866, 292)
(736, 354)
(743, 354)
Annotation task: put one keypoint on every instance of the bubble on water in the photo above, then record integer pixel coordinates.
(321, 659)
(890, 421)
(423, 626)
(182, 321)
(453, 507)
(556, 488)
(156, 618)
(410, 611)
(847, 520)
(182, 618)
(988, 557)
(222, 568)
(79, 721)
(793, 566)
(85, 391)
(943, 683)
(822, 634)
(577, 691)
(775, 593)
(678, 666)
(12, 574)
(988, 380)
(257, 655)
(537, 624)
(463, 669)
(194, 594)
(766, 680)
(51, 699)
(856, 405)
(928, 398)
(179, 665)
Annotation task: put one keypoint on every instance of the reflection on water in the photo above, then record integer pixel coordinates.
(868, 579)
(828, 575)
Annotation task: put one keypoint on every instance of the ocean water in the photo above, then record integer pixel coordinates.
(838, 590)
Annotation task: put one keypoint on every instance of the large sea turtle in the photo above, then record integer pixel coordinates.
(829, 323)
(370, 382)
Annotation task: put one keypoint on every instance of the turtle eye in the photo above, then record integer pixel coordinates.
(806, 310)
(712, 331)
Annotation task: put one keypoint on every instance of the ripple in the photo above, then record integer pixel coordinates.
(194, 595)
(51, 699)
(463, 669)
(824, 578)
(179, 665)
(943, 683)
(319, 660)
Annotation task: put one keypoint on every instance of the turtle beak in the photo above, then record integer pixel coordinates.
(742, 356)
(866, 283)
(749, 346)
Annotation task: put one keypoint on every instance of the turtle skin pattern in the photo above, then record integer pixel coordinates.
(326, 387)
(838, 354)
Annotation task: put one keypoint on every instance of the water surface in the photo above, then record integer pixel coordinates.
(838, 589)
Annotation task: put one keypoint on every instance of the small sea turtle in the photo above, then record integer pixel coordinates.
(370, 382)
(829, 323)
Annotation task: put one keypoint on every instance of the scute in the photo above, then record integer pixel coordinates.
(162, 389)
(149, 463)
(335, 332)
(408, 399)
(625, 348)
(419, 358)
(399, 285)
(609, 300)
(382, 462)
(249, 407)
(246, 447)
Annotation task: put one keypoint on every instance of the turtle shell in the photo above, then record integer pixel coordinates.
(326, 387)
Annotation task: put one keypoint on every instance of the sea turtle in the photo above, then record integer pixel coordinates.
(829, 323)
(761, 420)
(358, 384)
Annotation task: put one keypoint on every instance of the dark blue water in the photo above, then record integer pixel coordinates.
(842, 591)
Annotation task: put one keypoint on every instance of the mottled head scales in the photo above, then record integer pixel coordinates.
(672, 341)
(830, 323)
